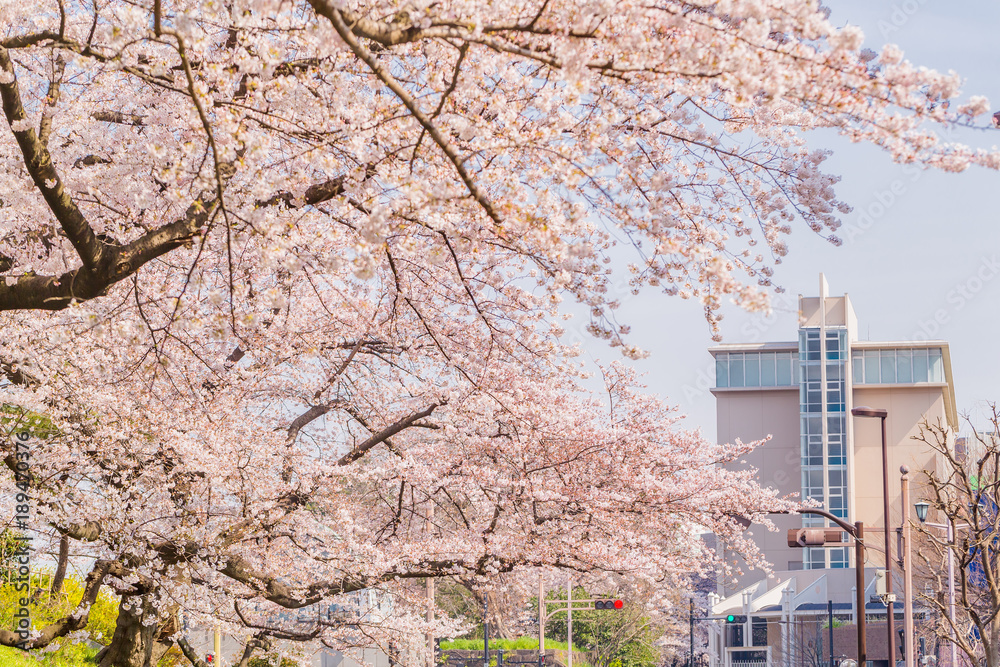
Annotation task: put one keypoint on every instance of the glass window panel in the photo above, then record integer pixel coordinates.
(812, 424)
(834, 425)
(736, 370)
(751, 370)
(832, 345)
(812, 372)
(836, 453)
(813, 399)
(767, 378)
(783, 369)
(722, 371)
(904, 366)
(935, 366)
(888, 366)
(834, 371)
(920, 365)
(812, 344)
(871, 367)
(815, 454)
(858, 366)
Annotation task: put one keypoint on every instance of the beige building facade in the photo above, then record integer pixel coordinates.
(800, 394)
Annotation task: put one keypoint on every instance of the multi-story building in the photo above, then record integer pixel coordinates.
(800, 393)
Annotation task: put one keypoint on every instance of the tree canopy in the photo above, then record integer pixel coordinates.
(284, 279)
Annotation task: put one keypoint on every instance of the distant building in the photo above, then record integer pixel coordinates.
(801, 393)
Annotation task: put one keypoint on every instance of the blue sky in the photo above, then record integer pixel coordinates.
(925, 259)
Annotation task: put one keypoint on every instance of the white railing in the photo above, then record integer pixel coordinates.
(748, 663)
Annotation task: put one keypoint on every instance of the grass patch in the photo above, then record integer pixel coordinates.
(519, 644)
(80, 656)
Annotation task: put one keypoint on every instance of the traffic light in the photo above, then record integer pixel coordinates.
(814, 537)
(608, 604)
(210, 658)
(734, 618)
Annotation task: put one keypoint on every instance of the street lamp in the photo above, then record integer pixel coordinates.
(881, 413)
(921, 508)
(907, 562)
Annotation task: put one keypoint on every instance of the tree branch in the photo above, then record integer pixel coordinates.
(337, 19)
(385, 434)
(43, 172)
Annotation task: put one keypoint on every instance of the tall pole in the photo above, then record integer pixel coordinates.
(217, 646)
(890, 612)
(430, 619)
(430, 597)
(691, 622)
(569, 619)
(951, 590)
(486, 629)
(829, 611)
(859, 582)
(904, 486)
(541, 619)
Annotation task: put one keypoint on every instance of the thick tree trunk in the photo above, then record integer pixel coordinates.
(134, 643)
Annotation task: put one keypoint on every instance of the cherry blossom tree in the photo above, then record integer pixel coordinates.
(282, 282)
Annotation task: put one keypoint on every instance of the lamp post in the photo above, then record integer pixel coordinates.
(881, 413)
(907, 563)
(921, 509)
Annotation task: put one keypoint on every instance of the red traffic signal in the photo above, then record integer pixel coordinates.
(209, 658)
(608, 604)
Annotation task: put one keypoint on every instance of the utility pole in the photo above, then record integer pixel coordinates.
(486, 629)
(829, 611)
(859, 582)
(541, 619)
(691, 622)
(569, 618)
(430, 596)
